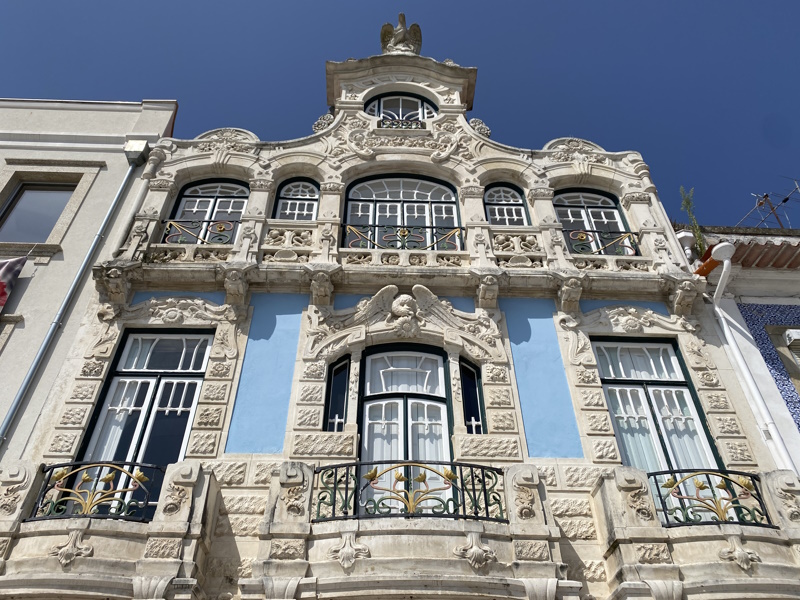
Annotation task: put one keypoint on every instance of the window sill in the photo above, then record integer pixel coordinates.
(40, 251)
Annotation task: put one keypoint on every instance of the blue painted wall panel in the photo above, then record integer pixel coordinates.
(462, 303)
(551, 429)
(258, 424)
(215, 297)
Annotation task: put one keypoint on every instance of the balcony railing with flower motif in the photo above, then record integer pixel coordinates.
(200, 232)
(708, 497)
(386, 123)
(401, 237)
(588, 241)
(450, 490)
(111, 490)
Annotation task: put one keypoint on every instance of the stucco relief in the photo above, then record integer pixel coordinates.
(389, 316)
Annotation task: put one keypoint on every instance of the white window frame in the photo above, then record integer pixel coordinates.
(509, 198)
(424, 109)
(583, 204)
(284, 198)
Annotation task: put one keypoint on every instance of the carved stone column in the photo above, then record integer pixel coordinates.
(454, 366)
(254, 219)
(351, 421)
(329, 220)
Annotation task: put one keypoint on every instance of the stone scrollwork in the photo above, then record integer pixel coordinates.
(392, 316)
(477, 554)
(174, 499)
(322, 123)
(480, 127)
(638, 501)
(348, 550)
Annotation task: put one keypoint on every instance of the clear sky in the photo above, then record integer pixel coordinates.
(707, 91)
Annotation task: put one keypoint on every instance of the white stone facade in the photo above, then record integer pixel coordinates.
(258, 524)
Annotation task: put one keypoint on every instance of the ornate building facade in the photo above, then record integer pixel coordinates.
(396, 358)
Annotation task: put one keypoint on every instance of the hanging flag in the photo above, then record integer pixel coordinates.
(9, 271)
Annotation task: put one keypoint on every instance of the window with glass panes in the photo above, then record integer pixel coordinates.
(400, 108)
(32, 212)
(208, 213)
(297, 200)
(147, 411)
(655, 416)
(504, 205)
(402, 213)
(593, 224)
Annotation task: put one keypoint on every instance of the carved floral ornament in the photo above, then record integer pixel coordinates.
(390, 316)
(355, 136)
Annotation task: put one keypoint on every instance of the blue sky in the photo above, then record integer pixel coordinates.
(707, 91)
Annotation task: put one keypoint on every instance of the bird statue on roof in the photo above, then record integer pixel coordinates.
(400, 39)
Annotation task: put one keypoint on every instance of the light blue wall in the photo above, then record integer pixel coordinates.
(551, 429)
(258, 424)
(215, 297)
(657, 307)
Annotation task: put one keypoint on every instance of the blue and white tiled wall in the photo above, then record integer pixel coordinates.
(757, 317)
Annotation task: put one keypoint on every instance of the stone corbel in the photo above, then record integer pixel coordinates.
(523, 499)
(20, 483)
(113, 279)
(488, 291)
(321, 282)
(151, 587)
(235, 278)
(682, 298)
(569, 294)
(328, 244)
(288, 506)
(269, 588)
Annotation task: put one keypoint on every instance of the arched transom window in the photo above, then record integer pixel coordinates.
(207, 213)
(297, 201)
(593, 224)
(402, 213)
(401, 111)
(504, 206)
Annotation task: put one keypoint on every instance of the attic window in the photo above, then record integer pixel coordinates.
(401, 111)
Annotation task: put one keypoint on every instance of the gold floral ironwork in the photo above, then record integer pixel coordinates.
(411, 498)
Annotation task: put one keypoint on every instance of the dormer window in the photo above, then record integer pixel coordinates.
(401, 111)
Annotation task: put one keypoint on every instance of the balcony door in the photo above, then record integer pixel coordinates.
(404, 418)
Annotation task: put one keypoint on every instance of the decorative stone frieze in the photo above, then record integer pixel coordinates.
(287, 549)
(163, 548)
(499, 397)
(323, 445)
(489, 447)
(227, 473)
(653, 553)
(570, 507)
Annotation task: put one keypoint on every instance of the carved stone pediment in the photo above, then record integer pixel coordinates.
(182, 311)
(390, 316)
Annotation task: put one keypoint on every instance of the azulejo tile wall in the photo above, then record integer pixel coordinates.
(757, 317)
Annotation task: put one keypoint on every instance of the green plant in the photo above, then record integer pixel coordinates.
(687, 206)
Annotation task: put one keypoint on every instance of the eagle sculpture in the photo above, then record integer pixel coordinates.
(401, 40)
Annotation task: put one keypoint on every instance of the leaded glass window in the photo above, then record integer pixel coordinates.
(208, 213)
(297, 200)
(504, 205)
(402, 213)
(593, 224)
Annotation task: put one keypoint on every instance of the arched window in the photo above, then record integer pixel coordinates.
(297, 200)
(402, 213)
(504, 205)
(593, 224)
(207, 212)
(401, 111)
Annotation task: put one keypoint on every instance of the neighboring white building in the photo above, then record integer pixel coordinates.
(394, 358)
(61, 165)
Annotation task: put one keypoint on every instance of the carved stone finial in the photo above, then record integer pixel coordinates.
(401, 40)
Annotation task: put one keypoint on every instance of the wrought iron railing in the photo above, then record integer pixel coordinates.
(615, 243)
(401, 237)
(451, 490)
(708, 497)
(111, 490)
(200, 232)
(387, 123)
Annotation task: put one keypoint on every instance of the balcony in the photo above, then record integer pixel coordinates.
(708, 497)
(449, 490)
(107, 490)
(609, 243)
(200, 232)
(402, 237)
